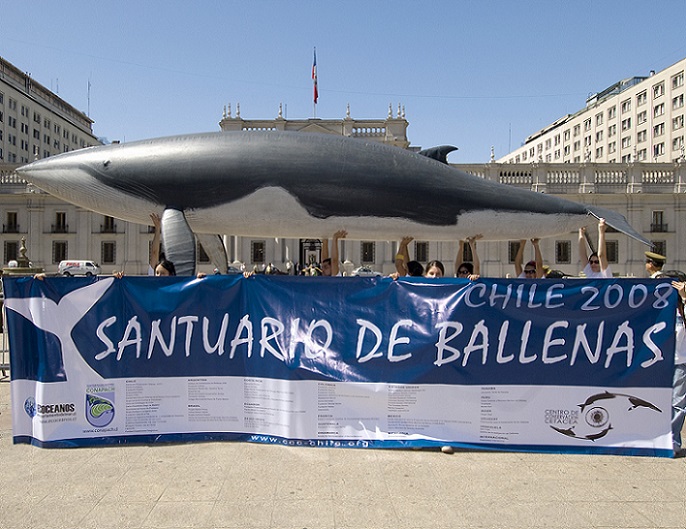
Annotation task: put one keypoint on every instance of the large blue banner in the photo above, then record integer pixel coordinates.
(571, 365)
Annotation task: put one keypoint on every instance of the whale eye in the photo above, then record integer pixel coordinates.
(105, 163)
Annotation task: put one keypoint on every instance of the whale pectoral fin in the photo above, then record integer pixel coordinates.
(178, 242)
(617, 221)
(215, 250)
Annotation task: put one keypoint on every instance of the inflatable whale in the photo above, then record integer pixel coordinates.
(300, 185)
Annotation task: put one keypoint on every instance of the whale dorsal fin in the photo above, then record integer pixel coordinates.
(439, 153)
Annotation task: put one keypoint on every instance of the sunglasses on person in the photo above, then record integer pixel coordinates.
(462, 271)
(529, 271)
(594, 261)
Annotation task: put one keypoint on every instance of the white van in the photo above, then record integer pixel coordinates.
(78, 268)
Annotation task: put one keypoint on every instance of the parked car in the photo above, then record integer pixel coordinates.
(78, 268)
(365, 271)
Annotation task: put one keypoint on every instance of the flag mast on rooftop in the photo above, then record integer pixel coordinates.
(314, 82)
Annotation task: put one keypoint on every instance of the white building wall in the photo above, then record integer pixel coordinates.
(641, 122)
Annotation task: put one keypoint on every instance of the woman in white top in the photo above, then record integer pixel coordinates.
(596, 265)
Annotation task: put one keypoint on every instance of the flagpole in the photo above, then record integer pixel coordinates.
(314, 82)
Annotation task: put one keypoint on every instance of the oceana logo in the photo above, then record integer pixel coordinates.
(51, 409)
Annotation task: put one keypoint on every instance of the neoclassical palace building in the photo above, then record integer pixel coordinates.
(35, 123)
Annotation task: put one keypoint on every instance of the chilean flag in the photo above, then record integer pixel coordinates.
(314, 77)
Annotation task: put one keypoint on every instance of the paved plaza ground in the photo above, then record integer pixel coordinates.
(243, 485)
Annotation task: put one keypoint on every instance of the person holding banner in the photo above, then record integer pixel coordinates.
(165, 268)
(403, 265)
(466, 269)
(434, 269)
(679, 382)
(533, 269)
(331, 265)
(155, 245)
(597, 266)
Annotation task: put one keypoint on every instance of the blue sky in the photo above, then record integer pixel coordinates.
(473, 74)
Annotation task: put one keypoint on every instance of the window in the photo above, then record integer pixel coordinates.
(677, 81)
(658, 224)
(658, 91)
(642, 98)
(626, 106)
(587, 125)
(626, 124)
(512, 249)
(59, 251)
(577, 145)
(108, 252)
(678, 123)
(257, 251)
(202, 254)
(599, 136)
(611, 131)
(612, 248)
(626, 158)
(11, 251)
(108, 225)
(566, 135)
(587, 141)
(642, 117)
(577, 130)
(368, 252)
(612, 147)
(678, 102)
(599, 153)
(658, 130)
(598, 119)
(641, 136)
(658, 150)
(626, 142)
(60, 225)
(677, 143)
(660, 247)
(642, 155)
(658, 110)
(548, 143)
(611, 113)
(563, 252)
(12, 226)
(421, 251)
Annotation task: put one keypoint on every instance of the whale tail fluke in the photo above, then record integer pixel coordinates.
(617, 221)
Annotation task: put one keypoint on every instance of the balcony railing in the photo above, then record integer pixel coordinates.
(108, 228)
(10, 228)
(59, 228)
(659, 228)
